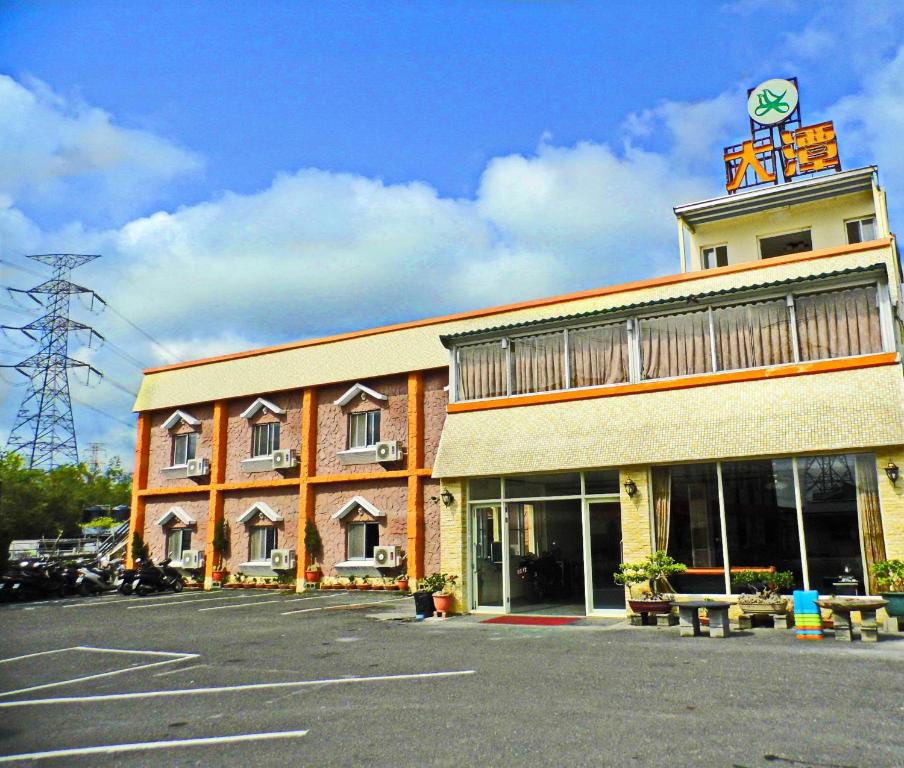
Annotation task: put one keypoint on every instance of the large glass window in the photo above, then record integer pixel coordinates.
(761, 516)
(752, 335)
(538, 363)
(598, 355)
(265, 439)
(363, 429)
(261, 542)
(184, 448)
(534, 486)
(838, 324)
(694, 532)
(361, 539)
(483, 370)
(676, 345)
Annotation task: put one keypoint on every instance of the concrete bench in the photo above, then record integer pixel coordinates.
(689, 618)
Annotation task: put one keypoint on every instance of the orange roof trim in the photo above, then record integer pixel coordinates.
(590, 293)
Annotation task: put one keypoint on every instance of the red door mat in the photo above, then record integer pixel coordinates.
(536, 621)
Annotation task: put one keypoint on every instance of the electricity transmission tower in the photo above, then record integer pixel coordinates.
(44, 432)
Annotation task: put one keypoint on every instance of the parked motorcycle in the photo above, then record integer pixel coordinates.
(94, 579)
(39, 578)
(157, 578)
(544, 575)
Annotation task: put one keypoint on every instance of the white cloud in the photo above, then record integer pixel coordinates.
(63, 155)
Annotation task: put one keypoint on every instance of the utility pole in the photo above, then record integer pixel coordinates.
(96, 450)
(44, 432)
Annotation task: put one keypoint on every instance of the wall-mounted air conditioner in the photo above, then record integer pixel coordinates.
(285, 458)
(192, 559)
(387, 557)
(197, 468)
(389, 450)
(282, 559)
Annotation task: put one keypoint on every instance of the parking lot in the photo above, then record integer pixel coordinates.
(345, 679)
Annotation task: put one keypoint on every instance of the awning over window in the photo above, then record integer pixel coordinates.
(179, 514)
(355, 503)
(260, 508)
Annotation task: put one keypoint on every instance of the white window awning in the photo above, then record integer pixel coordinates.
(357, 501)
(260, 508)
(179, 514)
(358, 389)
(252, 409)
(178, 416)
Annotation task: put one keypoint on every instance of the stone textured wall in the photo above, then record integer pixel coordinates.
(332, 422)
(435, 401)
(161, 448)
(157, 507)
(240, 432)
(282, 501)
(389, 496)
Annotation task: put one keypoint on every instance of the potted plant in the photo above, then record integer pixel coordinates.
(765, 588)
(654, 574)
(351, 583)
(402, 582)
(890, 580)
(313, 573)
(220, 542)
(442, 586)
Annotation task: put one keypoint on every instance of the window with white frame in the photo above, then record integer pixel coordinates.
(261, 542)
(861, 230)
(715, 256)
(265, 439)
(361, 540)
(177, 541)
(184, 448)
(363, 429)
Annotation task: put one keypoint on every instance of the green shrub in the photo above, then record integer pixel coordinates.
(654, 572)
(889, 575)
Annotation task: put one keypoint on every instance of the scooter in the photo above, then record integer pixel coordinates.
(95, 580)
(125, 577)
(39, 578)
(543, 574)
(157, 578)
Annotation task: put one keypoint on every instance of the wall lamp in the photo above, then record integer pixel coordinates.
(630, 487)
(891, 469)
(447, 497)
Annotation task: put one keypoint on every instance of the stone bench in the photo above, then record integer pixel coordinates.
(689, 618)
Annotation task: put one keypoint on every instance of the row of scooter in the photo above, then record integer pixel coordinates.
(43, 578)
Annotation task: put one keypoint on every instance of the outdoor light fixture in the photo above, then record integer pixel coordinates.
(447, 497)
(630, 487)
(891, 469)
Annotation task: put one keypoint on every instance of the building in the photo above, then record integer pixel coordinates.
(740, 413)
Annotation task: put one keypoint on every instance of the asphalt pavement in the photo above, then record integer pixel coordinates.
(254, 677)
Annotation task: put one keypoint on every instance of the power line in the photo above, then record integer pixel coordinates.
(21, 268)
(174, 357)
(83, 404)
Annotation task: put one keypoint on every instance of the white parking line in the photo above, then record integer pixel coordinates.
(177, 657)
(264, 602)
(184, 602)
(344, 607)
(39, 653)
(231, 688)
(95, 603)
(141, 746)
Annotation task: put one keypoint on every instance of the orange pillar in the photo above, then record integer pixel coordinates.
(307, 468)
(415, 523)
(139, 482)
(217, 477)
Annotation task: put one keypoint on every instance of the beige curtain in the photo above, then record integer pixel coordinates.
(752, 335)
(538, 363)
(599, 355)
(662, 506)
(870, 515)
(838, 324)
(675, 345)
(482, 371)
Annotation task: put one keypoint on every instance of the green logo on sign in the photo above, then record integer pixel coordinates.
(769, 101)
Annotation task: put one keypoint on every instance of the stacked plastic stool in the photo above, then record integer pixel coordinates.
(807, 618)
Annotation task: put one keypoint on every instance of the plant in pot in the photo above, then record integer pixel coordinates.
(220, 542)
(351, 583)
(442, 585)
(653, 574)
(890, 580)
(313, 573)
(765, 588)
(402, 582)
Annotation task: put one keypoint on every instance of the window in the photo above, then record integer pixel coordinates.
(838, 324)
(782, 245)
(483, 370)
(675, 345)
(262, 543)
(861, 230)
(363, 429)
(715, 256)
(184, 447)
(177, 541)
(362, 538)
(538, 363)
(265, 439)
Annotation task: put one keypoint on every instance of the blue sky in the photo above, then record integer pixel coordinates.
(260, 172)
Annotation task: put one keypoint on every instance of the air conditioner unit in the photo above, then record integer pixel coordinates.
(197, 468)
(387, 557)
(284, 459)
(282, 559)
(192, 558)
(391, 450)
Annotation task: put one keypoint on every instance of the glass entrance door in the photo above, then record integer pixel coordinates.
(487, 564)
(604, 542)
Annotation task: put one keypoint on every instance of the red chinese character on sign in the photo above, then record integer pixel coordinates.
(744, 157)
(809, 149)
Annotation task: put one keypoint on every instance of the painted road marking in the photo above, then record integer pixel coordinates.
(231, 688)
(122, 599)
(264, 602)
(185, 602)
(344, 607)
(39, 653)
(141, 746)
(177, 657)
